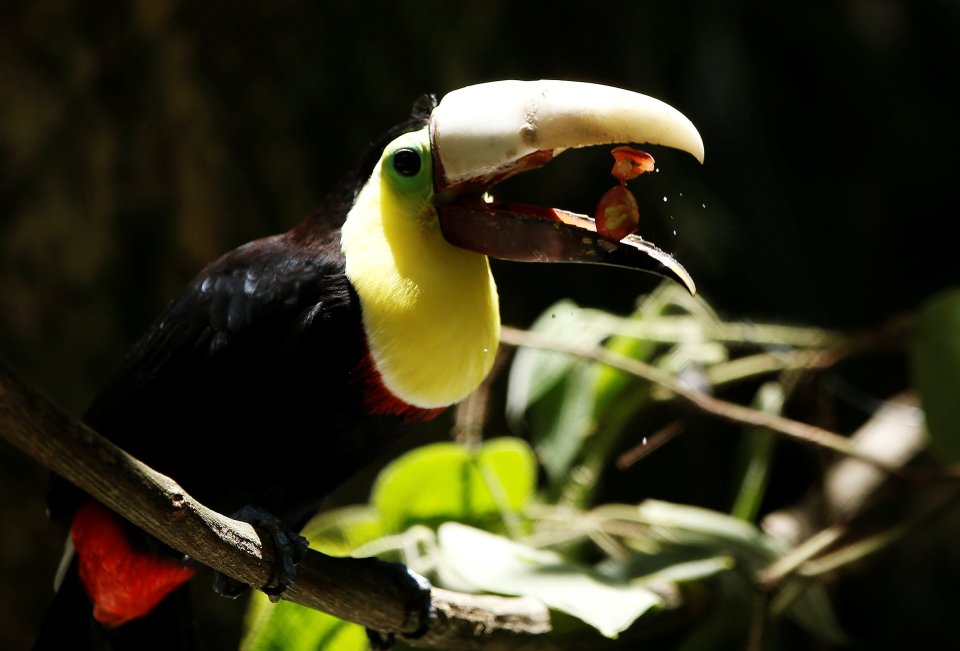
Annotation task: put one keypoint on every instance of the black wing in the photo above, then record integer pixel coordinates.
(254, 303)
(242, 389)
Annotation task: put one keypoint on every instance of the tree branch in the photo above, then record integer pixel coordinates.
(352, 589)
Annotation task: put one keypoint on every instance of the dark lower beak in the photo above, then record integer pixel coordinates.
(531, 234)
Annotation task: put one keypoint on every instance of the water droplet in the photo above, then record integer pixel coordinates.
(664, 200)
(644, 440)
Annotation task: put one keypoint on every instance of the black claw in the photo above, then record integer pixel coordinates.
(288, 548)
(417, 598)
(380, 641)
(417, 602)
(228, 587)
(421, 605)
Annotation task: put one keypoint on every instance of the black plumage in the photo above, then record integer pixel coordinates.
(253, 387)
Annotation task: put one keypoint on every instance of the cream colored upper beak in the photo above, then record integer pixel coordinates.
(483, 130)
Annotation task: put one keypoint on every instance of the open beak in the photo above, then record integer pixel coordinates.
(485, 133)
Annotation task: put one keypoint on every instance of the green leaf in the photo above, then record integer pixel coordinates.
(495, 564)
(339, 531)
(812, 610)
(613, 398)
(564, 399)
(688, 572)
(692, 526)
(756, 450)
(610, 381)
(285, 626)
(446, 481)
(935, 361)
(535, 372)
(564, 425)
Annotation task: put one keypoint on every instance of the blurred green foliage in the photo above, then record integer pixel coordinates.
(936, 368)
(662, 574)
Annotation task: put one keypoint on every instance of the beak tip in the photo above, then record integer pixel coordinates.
(699, 154)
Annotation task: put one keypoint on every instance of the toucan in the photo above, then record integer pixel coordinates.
(288, 363)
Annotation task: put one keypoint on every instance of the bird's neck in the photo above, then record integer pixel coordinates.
(430, 310)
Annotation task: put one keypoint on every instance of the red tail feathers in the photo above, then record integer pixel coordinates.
(123, 582)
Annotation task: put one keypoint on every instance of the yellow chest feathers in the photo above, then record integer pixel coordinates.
(430, 310)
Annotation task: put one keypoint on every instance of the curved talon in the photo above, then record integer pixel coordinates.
(380, 641)
(417, 598)
(288, 548)
(417, 605)
(426, 613)
(228, 587)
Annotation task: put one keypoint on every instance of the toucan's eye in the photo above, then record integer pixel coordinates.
(407, 165)
(407, 162)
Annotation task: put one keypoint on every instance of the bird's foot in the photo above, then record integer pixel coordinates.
(418, 605)
(380, 641)
(288, 548)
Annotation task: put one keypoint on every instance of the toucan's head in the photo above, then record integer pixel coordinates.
(417, 237)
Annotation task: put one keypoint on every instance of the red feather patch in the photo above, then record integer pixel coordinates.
(124, 583)
(377, 398)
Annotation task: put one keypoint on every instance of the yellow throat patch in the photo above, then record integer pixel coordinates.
(430, 310)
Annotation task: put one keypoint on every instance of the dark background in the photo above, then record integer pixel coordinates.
(139, 140)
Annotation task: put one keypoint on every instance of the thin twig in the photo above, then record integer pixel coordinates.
(802, 432)
(773, 574)
(751, 366)
(649, 446)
